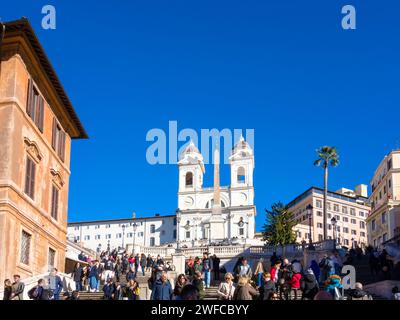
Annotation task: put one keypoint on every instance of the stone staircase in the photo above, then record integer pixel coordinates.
(211, 293)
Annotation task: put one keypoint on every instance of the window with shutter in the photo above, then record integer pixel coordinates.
(54, 202)
(30, 178)
(58, 140)
(35, 105)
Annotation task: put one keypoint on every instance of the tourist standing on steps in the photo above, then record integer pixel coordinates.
(7, 289)
(55, 284)
(143, 263)
(109, 290)
(18, 287)
(162, 289)
(100, 270)
(327, 268)
(199, 284)
(77, 275)
(93, 277)
(133, 290)
(226, 288)
(275, 269)
(309, 285)
(215, 266)
(198, 266)
(258, 274)
(244, 269)
(149, 263)
(179, 285)
(131, 275)
(244, 291)
(207, 270)
(269, 287)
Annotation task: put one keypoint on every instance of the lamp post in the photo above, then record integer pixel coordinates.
(178, 222)
(333, 221)
(309, 214)
(352, 243)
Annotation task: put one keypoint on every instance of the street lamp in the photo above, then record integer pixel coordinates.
(333, 221)
(178, 221)
(123, 236)
(309, 209)
(352, 243)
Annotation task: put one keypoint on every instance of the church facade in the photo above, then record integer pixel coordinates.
(220, 214)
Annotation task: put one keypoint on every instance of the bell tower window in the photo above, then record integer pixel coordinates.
(241, 178)
(189, 179)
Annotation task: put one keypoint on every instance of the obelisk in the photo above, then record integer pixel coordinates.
(217, 222)
(217, 191)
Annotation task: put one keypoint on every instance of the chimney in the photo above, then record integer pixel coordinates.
(362, 190)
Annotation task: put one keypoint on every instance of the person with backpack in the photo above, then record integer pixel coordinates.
(38, 292)
(358, 293)
(327, 268)
(143, 263)
(55, 284)
(309, 285)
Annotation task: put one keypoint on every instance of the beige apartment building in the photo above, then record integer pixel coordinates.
(348, 207)
(384, 220)
(37, 123)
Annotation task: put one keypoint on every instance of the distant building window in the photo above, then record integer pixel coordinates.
(86, 238)
(174, 234)
(25, 247)
(345, 219)
(130, 235)
(174, 221)
(346, 242)
(30, 178)
(336, 208)
(140, 234)
(51, 259)
(362, 234)
(373, 225)
(152, 228)
(319, 213)
(318, 204)
(35, 106)
(319, 225)
(361, 214)
(384, 217)
(354, 232)
(241, 231)
(329, 216)
(97, 227)
(345, 230)
(108, 236)
(97, 237)
(362, 225)
(118, 235)
(328, 204)
(187, 234)
(353, 221)
(344, 210)
(107, 226)
(76, 228)
(338, 228)
(54, 202)
(320, 237)
(337, 218)
(77, 238)
(152, 242)
(352, 211)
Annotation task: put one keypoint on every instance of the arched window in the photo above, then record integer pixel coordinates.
(189, 179)
(241, 178)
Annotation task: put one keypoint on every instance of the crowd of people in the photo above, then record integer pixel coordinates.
(279, 279)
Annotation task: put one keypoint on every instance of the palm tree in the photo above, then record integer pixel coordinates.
(327, 156)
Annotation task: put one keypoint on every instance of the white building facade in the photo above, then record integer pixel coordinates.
(349, 208)
(384, 220)
(118, 233)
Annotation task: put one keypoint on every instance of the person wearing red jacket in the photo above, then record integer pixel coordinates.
(275, 271)
(294, 283)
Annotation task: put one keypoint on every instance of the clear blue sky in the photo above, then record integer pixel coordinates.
(285, 68)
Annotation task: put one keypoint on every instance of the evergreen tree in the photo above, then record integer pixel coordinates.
(278, 229)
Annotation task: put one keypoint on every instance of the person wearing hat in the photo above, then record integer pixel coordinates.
(226, 288)
(309, 285)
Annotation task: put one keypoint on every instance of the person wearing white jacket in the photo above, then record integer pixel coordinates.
(226, 288)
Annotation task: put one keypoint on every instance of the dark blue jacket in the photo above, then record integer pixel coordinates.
(108, 290)
(93, 272)
(161, 291)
